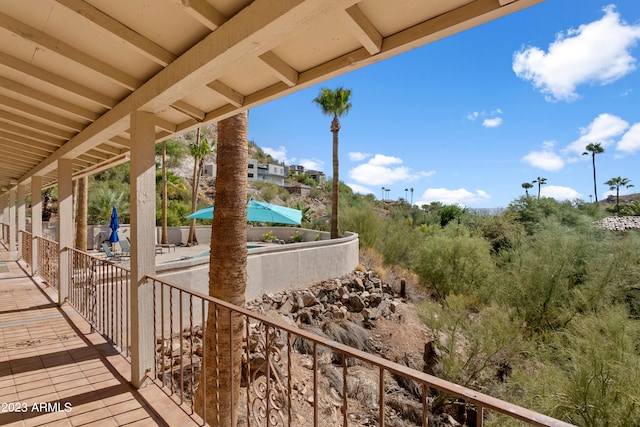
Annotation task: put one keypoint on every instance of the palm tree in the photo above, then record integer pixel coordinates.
(594, 149)
(527, 186)
(175, 150)
(615, 184)
(540, 181)
(81, 217)
(334, 103)
(199, 150)
(227, 276)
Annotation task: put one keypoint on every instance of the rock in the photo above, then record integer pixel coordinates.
(356, 302)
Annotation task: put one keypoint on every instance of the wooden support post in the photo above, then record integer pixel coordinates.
(65, 226)
(143, 214)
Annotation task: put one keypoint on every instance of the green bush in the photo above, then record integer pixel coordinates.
(588, 374)
(460, 264)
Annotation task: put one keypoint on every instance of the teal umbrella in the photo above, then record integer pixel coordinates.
(260, 212)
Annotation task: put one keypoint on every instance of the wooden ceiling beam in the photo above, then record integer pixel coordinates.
(41, 114)
(55, 80)
(140, 43)
(280, 68)
(233, 97)
(362, 28)
(32, 124)
(206, 14)
(60, 104)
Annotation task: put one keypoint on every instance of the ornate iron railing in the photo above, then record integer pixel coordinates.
(47, 266)
(25, 246)
(99, 291)
(270, 376)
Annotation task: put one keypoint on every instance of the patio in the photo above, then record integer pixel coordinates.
(50, 357)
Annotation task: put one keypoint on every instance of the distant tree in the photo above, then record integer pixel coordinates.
(175, 151)
(334, 103)
(527, 186)
(199, 151)
(541, 182)
(615, 184)
(594, 149)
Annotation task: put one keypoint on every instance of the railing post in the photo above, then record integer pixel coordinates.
(22, 220)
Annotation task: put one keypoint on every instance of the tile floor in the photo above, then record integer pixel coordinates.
(55, 372)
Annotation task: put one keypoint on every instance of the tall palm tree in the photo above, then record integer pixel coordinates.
(227, 276)
(594, 149)
(81, 217)
(199, 150)
(541, 182)
(527, 186)
(615, 184)
(334, 103)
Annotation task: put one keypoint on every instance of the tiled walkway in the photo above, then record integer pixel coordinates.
(54, 372)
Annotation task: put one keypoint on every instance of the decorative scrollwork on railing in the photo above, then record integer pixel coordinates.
(267, 389)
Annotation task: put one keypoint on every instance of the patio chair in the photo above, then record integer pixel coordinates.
(110, 255)
(126, 248)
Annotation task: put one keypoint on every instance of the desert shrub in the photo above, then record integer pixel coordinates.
(362, 219)
(476, 345)
(548, 277)
(268, 190)
(587, 374)
(399, 243)
(451, 263)
(503, 231)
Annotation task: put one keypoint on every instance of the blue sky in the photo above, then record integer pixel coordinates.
(466, 120)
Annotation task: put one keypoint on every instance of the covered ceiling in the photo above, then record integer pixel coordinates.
(72, 71)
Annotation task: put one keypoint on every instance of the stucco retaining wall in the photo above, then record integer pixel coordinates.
(275, 268)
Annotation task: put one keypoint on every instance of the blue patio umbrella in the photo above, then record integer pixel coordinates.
(260, 212)
(114, 225)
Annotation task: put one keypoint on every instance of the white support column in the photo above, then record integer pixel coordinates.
(22, 219)
(65, 225)
(36, 220)
(4, 206)
(12, 220)
(143, 214)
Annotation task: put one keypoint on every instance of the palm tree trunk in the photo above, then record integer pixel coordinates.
(335, 189)
(164, 238)
(595, 186)
(194, 196)
(227, 277)
(81, 217)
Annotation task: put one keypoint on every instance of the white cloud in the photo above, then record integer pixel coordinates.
(453, 197)
(490, 119)
(596, 53)
(630, 141)
(357, 156)
(357, 188)
(492, 123)
(603, 129)
(546, 159)
(312, 164)
(279, 154)
(383, 170)
(559, 193)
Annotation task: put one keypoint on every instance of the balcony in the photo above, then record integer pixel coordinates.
(73, 361)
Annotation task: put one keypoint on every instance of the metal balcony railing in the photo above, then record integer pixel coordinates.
(25, 246)
(99, 291)
(272, 357)
(47, 263)
(268, 378)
